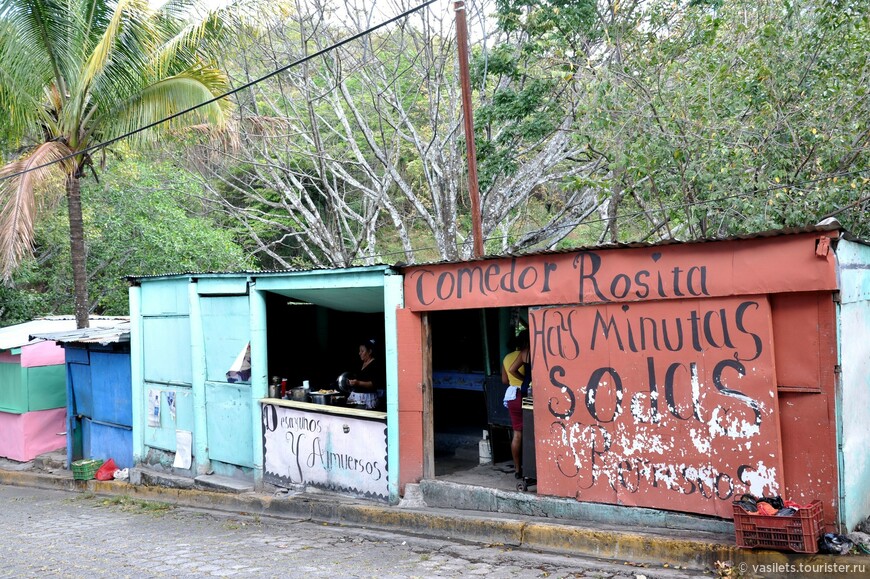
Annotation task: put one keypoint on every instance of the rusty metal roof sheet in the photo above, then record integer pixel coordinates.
(113, 334)
(259, 273)
(23, 334)
(820, 228)
(825, 226)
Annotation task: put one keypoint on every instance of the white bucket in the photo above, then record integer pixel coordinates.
(485, 452)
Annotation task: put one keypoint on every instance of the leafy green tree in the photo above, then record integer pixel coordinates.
(74, 74)
(710, 118)
(29, 297)
(144, 217)
(739, 117)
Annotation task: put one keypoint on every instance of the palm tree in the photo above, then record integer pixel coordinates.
(75, 73)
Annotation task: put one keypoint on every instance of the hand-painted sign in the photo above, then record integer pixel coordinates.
(617, 275)
(668, 404)
(332, 451)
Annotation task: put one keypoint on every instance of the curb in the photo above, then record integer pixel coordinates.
(563, 537)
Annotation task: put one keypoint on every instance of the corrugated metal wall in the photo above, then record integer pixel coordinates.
(854, 404)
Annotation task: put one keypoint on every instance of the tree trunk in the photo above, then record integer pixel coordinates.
(77, 248)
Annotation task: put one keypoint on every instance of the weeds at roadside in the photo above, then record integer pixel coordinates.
(131, 505)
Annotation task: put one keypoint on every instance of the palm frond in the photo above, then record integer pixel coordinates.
(95, 16)
(24, 71)
(39, 25)
(183, 45)
(165, 98)
(18, 201)
(132, 14)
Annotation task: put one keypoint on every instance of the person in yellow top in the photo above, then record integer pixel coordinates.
(516, 373)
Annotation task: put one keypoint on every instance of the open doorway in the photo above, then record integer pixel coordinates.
(308, 341)
(471, 426)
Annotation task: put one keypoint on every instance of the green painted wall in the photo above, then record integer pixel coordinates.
(31, 389)
(13, 397)
(854, 392)
(163, 436)
(46, 387)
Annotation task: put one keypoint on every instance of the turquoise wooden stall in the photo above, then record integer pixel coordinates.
(853, 403)
(188, 329)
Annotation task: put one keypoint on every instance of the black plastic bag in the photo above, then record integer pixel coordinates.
(775, 502)
(834, 544)
(747, 503)
(748, 506)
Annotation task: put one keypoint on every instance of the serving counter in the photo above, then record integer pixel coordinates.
(330, 447)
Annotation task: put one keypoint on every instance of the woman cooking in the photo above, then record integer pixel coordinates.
(369, 379)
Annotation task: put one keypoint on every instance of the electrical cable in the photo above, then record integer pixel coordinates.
(247, 85)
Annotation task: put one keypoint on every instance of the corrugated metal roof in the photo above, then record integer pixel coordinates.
(20, 334)
(825, 226)
(821, 228)
(260, 273)
(97, 334)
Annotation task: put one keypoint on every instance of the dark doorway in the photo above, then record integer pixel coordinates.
(315, 343)
(467, 396)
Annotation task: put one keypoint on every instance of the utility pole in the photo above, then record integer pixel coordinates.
(468, 118)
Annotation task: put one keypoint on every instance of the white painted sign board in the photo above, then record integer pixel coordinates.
(331, 451)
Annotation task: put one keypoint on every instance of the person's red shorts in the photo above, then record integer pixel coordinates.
(515, 409)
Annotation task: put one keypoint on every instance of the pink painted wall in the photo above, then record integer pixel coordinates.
(42, 354)
(26, 436)
(8, 358)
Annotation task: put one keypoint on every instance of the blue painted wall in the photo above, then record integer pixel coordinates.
(192, 330)
(854, 399)
(165, 361)
(99, 409)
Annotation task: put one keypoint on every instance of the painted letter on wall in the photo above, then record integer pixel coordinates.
(668, 404)
(332, 451)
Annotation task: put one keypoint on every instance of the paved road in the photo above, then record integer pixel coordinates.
(58, 534)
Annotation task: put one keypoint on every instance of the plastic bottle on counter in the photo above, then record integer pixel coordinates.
(283, 387)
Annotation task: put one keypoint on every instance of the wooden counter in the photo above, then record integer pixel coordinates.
(325, 408)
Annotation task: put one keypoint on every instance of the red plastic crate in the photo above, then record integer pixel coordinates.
(799, 532)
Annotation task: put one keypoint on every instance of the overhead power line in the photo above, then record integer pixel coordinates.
(247, 85)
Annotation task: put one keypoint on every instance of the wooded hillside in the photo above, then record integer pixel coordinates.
(595, 121)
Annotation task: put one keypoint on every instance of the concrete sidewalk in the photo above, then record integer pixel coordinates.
(691, 549)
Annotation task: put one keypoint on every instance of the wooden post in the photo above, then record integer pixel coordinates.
(428, 402)
(468, 118)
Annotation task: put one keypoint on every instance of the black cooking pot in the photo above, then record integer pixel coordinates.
(339, 400)
(298, 394)
(332, 398)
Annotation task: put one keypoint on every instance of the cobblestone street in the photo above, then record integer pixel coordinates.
(59, 534)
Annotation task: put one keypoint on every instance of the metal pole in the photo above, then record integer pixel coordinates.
(465, 85)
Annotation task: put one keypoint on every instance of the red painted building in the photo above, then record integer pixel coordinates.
(675, 376)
